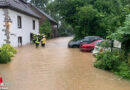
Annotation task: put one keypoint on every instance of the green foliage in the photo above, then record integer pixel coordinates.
(41, 4)
(65, 30)
(113, 62)
(45, 28)
(9, 48)
(129, 59)
(123, 34)
(5, 56)
(123, 31)
(120, 53)
(88, 18)
(124, 70)
(105, 44)
(92, 17)
(6, 52)
(96, 17)
(107, 61)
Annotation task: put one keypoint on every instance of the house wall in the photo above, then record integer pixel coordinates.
(2, 36)
(24, 32)
(43, 18)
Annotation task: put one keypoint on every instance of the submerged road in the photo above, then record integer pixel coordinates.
(57, 67)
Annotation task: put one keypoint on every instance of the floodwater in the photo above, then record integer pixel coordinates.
(57, 67)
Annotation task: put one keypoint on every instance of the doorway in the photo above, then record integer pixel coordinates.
(19, 41)
(31, 37)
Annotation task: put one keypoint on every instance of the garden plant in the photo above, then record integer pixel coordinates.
(6, 53)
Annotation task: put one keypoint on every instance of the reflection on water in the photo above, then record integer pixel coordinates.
(56, 67)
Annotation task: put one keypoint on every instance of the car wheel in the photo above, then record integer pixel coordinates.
(74, 46)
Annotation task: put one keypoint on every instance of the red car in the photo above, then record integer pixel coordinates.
(89, 46)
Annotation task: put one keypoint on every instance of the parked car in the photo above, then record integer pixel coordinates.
(74, 44)
(99, 49)
(87, 39)
(90, 39)
(89, 46)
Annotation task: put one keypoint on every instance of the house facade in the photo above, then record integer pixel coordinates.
(17, 22)
(43, 17)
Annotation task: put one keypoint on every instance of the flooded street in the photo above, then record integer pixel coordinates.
(57, 67)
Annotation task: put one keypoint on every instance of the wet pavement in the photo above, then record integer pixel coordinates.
(57, 67)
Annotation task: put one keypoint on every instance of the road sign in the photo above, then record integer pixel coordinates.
(117, 44)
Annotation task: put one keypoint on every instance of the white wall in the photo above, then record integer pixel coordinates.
(26, 29)
(2, 36)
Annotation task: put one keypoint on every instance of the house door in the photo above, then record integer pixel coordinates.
(19, 41)
(31, 37)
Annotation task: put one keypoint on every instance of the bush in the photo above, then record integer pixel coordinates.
(129, 59)
(107, 61)
(124, 70)
(9, 48)
(105, 44)
(5, 56)
(114, 62)
(120, 53)
(6, 52)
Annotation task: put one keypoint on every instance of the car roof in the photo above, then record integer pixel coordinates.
(92, 37)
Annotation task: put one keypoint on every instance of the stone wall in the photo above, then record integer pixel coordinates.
(6, 30)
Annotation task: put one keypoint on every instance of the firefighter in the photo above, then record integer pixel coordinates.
(34, 38)
(41, 36)
(37, 42)
(43, 41)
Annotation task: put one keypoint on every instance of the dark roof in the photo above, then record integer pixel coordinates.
(48, 16)
(18, 5)
(3, 3)
(45, 14)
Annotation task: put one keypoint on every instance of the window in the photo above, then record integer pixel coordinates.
(33, 24)
(19, 22)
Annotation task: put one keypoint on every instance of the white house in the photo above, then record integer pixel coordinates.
(17, 22)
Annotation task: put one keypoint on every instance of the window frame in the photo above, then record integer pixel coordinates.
(34, 24)
(19, 21)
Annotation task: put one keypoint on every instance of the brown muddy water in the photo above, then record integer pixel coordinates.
(57, 67)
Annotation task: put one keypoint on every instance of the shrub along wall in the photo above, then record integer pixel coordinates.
(114, 62)
(6, 52)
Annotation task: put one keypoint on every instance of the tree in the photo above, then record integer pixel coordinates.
(45, 28)
(41, 4)
(65, 29)
(123, 34)
(88, 21)
(92, 17)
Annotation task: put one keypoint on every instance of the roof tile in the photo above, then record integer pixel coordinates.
(19, 5)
